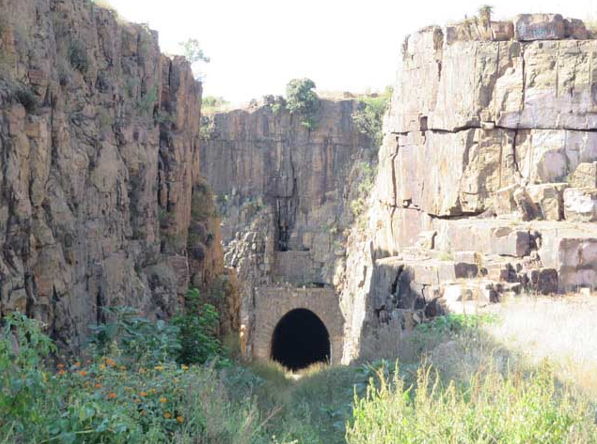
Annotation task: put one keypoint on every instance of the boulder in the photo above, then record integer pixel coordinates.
(584, 176)
(580, 204)
(576, 29)
(529, 27)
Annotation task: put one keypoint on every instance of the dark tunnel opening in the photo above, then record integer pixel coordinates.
(300, 339)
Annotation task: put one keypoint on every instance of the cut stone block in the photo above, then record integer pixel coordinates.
(573, 256)
(468, 257)
(508, 242)
(529, 27)
(580, 204)
(504, 200)
(549, 199)
(502, 31)
(526, 207)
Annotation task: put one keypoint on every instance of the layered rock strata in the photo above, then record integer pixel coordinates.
(486, 180)
(99, 174)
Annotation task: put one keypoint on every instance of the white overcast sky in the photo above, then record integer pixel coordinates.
(257, 46)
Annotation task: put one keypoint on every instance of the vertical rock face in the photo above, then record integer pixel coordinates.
(99, 167)
(485, 120)
(285, 194)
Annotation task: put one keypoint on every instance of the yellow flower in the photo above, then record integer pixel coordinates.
(184, 367)
(103, 366)
(60, 366)
(154, 391)
(167, 415)
(163, 400)
(137, 400)
(143, 394)
(180, 419)
(158, 367)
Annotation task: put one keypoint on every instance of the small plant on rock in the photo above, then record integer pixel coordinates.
(485, 12)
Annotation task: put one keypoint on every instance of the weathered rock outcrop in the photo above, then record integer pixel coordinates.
(486, 180)
(284, 192)
(99, 171)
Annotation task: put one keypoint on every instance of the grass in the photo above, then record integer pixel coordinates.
(520, 372)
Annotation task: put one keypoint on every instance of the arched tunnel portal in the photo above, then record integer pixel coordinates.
(297, 326)
(300, 339)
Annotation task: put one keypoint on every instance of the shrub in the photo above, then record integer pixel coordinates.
(23, 347)
(369, 117)
(26, 97)
(77, 54)
(198, 330)
(137, 338)
(493, 408)
(302, 100)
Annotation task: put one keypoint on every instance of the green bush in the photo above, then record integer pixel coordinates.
(302, 100)
(198, 330)
(112, 397)
(493, 408)
(77, 54)
(369, 117)
(136, 337)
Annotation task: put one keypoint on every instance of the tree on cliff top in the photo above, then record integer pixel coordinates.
(191, 49)
(301, 99)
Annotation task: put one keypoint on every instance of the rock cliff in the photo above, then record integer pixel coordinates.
(486, 179)
(285, 194)
(99, 177)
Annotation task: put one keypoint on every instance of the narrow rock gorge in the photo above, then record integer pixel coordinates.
(101, 202)
(484, 187)
(112, 184)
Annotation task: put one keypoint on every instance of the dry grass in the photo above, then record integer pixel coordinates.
(561, 329)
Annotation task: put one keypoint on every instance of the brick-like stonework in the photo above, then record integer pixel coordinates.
(272, 303)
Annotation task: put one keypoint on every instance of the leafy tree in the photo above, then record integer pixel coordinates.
(301, 99)
(191, 49)
(485, 12)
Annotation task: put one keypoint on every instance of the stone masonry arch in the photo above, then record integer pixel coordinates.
(273, 303)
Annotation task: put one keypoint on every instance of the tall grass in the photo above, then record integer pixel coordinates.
(493, 408)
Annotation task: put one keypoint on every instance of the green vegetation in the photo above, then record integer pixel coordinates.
(77, 55)
(193, 52)
(492, 408)
(198, 329)
(131, 385)
(213, 104)
(303, 101)
(485, 12)
(369, 118)
(207, 128)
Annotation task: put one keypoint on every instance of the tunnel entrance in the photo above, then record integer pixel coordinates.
(300, 339)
